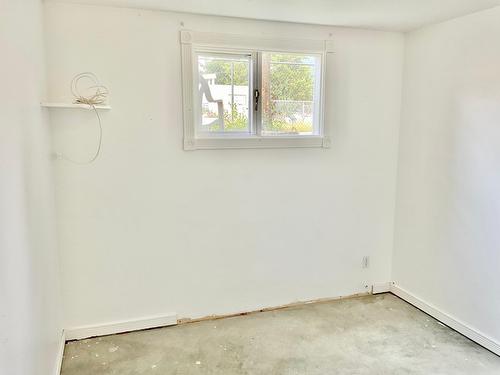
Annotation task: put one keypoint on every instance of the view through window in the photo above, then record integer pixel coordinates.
(283, 100)
(288, 93)
(224, 91)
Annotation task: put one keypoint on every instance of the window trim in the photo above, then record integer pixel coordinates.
(193, 41)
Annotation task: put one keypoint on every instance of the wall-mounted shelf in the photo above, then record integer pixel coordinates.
(72, 105)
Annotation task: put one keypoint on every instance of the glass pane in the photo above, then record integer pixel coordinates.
(224, 93)
(289, 83)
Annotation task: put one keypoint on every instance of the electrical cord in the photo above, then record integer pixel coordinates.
(98, 97)
(98, 150)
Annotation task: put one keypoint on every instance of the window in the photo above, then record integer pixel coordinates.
(243, 92)
(224, 93)
(290, 91)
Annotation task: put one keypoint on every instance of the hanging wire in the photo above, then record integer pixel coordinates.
(99, 94)
(96, 94)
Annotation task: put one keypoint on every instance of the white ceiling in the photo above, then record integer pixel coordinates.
(397, 15)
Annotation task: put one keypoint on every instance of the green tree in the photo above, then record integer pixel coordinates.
(291, 77)
(222, 70)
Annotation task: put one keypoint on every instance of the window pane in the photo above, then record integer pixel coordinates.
(224, 93)
(289, 86)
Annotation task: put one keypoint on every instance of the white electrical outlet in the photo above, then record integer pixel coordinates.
(366, 262)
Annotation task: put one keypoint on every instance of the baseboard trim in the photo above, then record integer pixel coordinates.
(448, 320)
(379, 288)
(84, 332)
(170, 319)
(60, 353)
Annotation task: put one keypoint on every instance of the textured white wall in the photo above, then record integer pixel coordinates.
(30, 307)
(448, 207)
(150, 228)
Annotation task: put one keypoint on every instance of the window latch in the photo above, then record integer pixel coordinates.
(256, 95)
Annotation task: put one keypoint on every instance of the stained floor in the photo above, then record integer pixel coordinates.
(366, 335)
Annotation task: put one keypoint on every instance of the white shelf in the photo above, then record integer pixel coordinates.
(72, 105)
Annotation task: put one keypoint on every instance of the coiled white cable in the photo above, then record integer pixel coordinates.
(98, 96)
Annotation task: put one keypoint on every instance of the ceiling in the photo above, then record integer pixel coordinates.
(396, 15)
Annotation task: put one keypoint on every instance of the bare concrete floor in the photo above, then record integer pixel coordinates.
(365, 335)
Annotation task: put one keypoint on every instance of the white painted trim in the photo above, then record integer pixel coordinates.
(447, 319)
(236, 41)
(193, 40)
(378, 288)
(187, 92)
(60, 354)
(77, 333)
(259, 142)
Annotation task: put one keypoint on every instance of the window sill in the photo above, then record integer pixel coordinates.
(257, 142)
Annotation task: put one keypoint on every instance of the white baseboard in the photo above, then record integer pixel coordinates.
(449, 320)
(379, 288)
(60, 354)
(111, 328)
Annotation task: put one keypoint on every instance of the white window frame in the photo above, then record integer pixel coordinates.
(193, 42)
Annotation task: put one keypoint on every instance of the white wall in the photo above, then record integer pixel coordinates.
(30, 308)
(448, 204)
(150, 228)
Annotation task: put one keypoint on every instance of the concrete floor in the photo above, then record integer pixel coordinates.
(366, 335)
